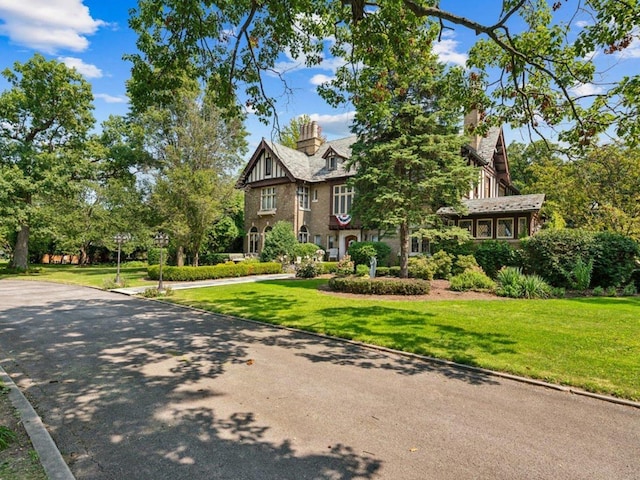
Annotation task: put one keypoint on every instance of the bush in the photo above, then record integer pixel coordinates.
(492, 255)
(394, 271)
(534, 286)
(553, 254)
(514, 284)
(379, 286)
(327, 267)
(209, 258)
(189, 274)
(307, 269)
(611, 291)
(463, 263)
(614, 259)
(361, 252)
(629, 290)
(153, 292)
(580, 276)
(598, 292)
(303, 250)
(420, 267)
(382, 272)
(362, 271)
(280, 242)
(472, 280)
(344, 266)
(558, 292)
(443, 262)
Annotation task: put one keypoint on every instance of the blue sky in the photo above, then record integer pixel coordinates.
(92, 35)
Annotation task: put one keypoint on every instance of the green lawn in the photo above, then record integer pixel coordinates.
(92, 276)
(591, 343)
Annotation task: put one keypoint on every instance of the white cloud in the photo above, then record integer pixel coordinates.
(320, 78)
(582, 23)
(337, 125)
(86, 69)
(632, 51)
(586, 89)
(110, 98)
(446, 51)
(48, 25)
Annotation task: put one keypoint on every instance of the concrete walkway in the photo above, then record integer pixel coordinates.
(135, 389)
(208, 283)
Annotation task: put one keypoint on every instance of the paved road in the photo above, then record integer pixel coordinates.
(136, 389)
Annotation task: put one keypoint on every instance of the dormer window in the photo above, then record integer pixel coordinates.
(332, 162)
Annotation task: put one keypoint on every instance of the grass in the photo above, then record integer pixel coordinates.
(590, 343)
(92, 276)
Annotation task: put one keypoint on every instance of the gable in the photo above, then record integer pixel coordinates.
(264, 165)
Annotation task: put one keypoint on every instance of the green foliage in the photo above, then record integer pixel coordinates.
(394, 271)
(443, 263)
(327, 267)
(361, 252)
(308, 268)
(153, 292)
(210, 258)
(6, 437)
(492, 255)
(553, 254)
(558, 292)
(513, 283)
(382, 272)
(580, 275)
(281, 241)
(463, 263)
(598, 292)
(345, 266)
(362, 271)
(290, 133)
(420, 267)
(303, 250)
(383, 286)
(629, 290)
(472, 280)
(611, 291)
(614, 258)
(189, 274)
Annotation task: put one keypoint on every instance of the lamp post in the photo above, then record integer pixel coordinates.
(161, 240)
(120, 238)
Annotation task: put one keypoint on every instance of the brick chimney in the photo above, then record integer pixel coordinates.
(471, 121)
(309, 141)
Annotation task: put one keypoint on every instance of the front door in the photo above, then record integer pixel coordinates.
(348, 240)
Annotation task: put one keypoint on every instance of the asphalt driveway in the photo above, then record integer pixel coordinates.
(131, 388)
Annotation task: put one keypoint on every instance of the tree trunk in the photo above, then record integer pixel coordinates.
(21, 250)
(180, 256)
(196, 259)
(404, 250)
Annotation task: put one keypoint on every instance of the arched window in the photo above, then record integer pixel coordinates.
(303, 234)
(253, 240)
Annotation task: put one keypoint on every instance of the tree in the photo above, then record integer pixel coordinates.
(527, 62)
(280, 243)
(522, 158)
(198, 150)
(408, 115)
(44, 120)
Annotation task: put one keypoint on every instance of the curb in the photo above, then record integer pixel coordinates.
(424, 358)
(54, 465)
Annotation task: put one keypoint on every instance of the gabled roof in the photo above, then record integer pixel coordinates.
(301, 166)
(508, 204)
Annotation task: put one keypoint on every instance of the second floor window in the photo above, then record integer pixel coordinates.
(268, 166)
(268, 198)
(303, 198)
(342, 199)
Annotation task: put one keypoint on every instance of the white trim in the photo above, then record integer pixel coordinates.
(498, 227)
(490, 220)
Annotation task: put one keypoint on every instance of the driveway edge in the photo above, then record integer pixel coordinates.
(425, 358)
(50, 457)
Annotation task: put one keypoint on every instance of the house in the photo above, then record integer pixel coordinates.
(307, 187)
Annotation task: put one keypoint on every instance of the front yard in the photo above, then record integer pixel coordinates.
(590, 343)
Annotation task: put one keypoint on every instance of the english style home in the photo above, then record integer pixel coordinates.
(307, 187)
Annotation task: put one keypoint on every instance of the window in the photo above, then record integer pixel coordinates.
(419, 245)
(303, 234)
(342, 199)
(253, 240)
(505, 228)
(317, 239)
(332, 162)
(268, 199)
(484, 228)
(268, 166)
(487, 187)
(330, 241)
(315, 195)
(467, 225)
(303, 198)
(523, 227)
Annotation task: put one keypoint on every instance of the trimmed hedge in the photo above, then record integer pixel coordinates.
(189, 274)
(379, 286)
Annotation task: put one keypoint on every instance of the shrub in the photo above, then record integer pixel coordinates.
(344, 266)
(492, 255)
(362, 271)
(379, 286)
(580, 275)
(629, 290)
(280, 242)
(553, 254)
(420, 267)
(611, 291)
(463, 263)
(534, 286)
(153, 292)
(394, 271)
(209, 258)
(472, 280)
(327, 267)
(558, 292)
(614, 259)
(598, 292)
(303, 250)
(361, 252)
(307, 269)
(382, 272)
(442, 262)
(134, 264)
(188, 274)
(514, 284)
